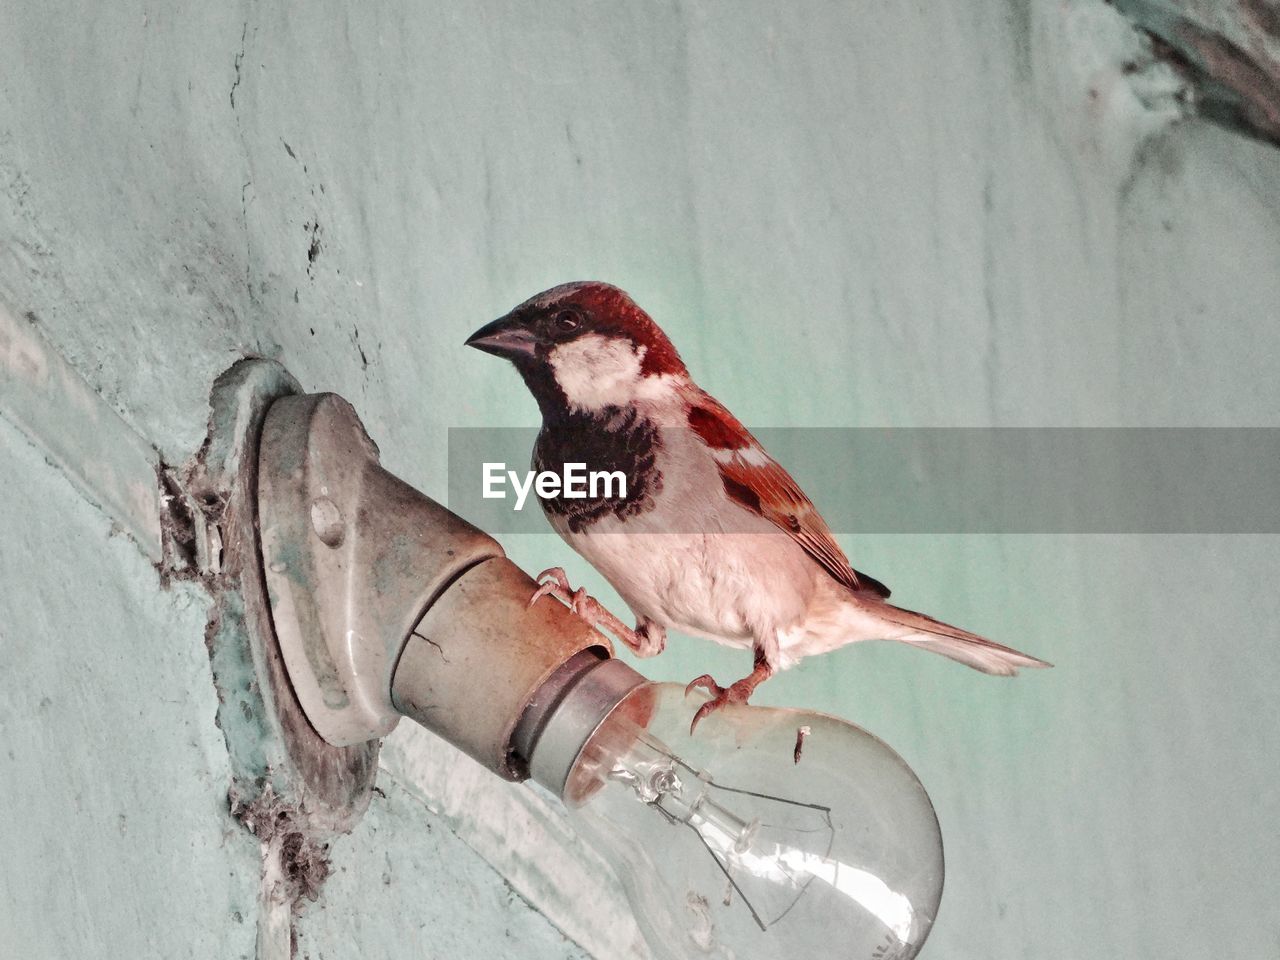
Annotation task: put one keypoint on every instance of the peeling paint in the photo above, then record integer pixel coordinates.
(295, 865)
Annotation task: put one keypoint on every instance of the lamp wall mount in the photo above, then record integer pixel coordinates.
(385, 603)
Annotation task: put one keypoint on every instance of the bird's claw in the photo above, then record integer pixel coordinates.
(720, 696)
(704, 682)
(553, 582)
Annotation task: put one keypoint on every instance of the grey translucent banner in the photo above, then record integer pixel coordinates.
(964, 480)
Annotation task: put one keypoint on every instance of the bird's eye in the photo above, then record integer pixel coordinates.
(566, 320)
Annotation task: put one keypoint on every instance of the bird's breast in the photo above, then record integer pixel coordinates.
(617, 449)
(686, 555)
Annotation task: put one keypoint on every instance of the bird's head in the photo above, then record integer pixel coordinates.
(585, 347)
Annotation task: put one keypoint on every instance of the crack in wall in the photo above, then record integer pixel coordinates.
(239, 59)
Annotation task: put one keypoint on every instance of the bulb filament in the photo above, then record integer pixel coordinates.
(654, 775)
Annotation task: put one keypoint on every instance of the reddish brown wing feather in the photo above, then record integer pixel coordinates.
(765, 488)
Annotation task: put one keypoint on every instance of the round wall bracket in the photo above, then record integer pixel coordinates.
(276, 754)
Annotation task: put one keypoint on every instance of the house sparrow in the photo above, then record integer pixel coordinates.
(712, 538)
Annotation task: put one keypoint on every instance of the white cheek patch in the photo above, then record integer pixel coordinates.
(597, 372)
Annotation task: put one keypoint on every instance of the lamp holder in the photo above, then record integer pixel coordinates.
(386, 603)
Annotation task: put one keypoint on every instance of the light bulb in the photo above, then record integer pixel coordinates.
(769, 833)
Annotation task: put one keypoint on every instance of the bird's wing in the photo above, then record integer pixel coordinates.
(757, 482)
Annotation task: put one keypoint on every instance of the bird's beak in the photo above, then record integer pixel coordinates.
(505, 337)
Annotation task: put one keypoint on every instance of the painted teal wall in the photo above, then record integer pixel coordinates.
(846, 215)
(113, 777)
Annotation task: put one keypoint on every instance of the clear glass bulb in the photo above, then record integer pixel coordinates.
(770, 833)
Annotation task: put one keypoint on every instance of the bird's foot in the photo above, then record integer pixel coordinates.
(553, 582)
(738, 692)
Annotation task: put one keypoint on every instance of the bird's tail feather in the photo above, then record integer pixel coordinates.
(960, 645)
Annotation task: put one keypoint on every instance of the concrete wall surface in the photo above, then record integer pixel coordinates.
(845, 214)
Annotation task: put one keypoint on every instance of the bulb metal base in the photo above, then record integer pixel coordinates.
(566, 711)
